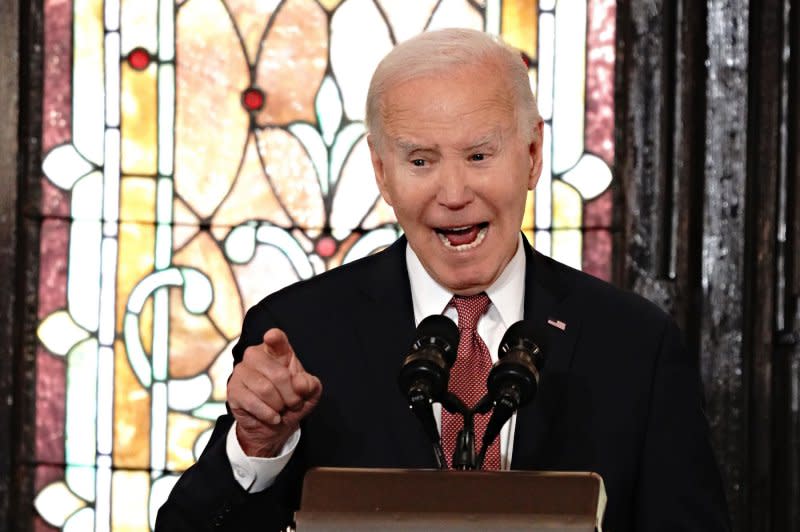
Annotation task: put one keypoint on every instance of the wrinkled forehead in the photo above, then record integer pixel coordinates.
(447, 102)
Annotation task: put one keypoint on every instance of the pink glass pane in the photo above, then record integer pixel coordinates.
(56, 112)
(50, 369)
(50, 401)
(597, 213)
(597, 253)
(599, 132)
(597, 240)
(599, 136)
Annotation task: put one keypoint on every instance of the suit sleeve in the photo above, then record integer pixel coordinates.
(679, 484)
(208, 497)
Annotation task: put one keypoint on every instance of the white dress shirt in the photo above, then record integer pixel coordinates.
(507, 304)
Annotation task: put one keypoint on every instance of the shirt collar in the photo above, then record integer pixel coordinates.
(506, 293)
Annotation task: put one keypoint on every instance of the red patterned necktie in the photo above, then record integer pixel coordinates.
(468, 378)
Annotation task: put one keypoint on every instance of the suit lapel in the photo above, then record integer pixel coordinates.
(386, 331)
(546, 304)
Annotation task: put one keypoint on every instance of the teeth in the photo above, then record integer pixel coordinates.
(459, 228)
(465, 247)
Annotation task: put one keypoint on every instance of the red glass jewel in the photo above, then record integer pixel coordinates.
(326, 246)
(139, 58)
(253, 99)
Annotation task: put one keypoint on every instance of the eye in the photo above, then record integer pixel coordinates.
(477, 157)
(418, 162)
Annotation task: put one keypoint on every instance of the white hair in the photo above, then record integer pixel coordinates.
(435, 52)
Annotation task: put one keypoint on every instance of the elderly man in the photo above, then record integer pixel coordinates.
(456, 142)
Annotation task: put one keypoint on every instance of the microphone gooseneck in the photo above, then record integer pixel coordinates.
(425, 373)
(513, 379)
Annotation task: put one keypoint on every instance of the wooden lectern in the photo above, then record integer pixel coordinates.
(337, 499)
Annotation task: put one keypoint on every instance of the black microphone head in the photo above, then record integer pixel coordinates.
(520, 358)
(426, 370)
(524, 335)
(440, 331)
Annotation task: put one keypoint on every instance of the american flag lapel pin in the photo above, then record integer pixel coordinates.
(558, 324)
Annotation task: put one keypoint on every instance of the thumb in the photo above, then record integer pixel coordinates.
(277, 347)
(306, 385)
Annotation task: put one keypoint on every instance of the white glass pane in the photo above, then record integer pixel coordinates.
(81, 404)
(569, 82)
(83, 278)
(544, 94)
(407, 22)
(105, 400)
(329, 109)
(591, 176)
(356, 190)
(112, 52)
(88, 86)
(355, 54)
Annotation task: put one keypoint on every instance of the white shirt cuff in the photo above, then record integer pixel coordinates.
(253, 473)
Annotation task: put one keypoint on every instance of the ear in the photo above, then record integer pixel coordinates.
(379, 168)
(535, 153)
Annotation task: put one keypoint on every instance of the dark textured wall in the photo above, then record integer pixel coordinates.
(708, 160)
(9, 66)
(20, 116)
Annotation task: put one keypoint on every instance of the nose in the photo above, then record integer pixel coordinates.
(454, 189)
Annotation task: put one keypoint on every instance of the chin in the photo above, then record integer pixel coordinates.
(466, 282)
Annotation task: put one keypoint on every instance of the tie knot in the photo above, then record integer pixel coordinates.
(470, 309)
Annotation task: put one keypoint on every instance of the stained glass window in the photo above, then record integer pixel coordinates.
(200, 154)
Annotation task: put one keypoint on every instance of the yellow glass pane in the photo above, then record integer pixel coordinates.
(182, 432)
(139, 25)
(137, 199)
(210, 122)
(130, 500)
(204, 254)
(330, 5)
(136, 245)
(139, 121)
(293, 59)
(193, 341)
(219, 372)
(528, 219)
(293, 176)
(567, 206)
(251, 20)
(568, 247)
(519, 25)
(251, 197)
(131, 415)
(530, 235)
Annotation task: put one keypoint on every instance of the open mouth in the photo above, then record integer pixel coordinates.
(463, 238)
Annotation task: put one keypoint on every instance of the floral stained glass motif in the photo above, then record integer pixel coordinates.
(201, 154)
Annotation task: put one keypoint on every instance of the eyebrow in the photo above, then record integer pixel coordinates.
(407, 146)
(492, 137)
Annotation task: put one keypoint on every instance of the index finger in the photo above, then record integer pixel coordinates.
(277, 346)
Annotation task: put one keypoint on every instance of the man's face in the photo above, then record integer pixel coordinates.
(455, 168)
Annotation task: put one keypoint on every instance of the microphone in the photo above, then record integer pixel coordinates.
(513, 379)
(425, 373)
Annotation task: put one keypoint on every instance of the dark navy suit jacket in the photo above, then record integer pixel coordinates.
(619, 395)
